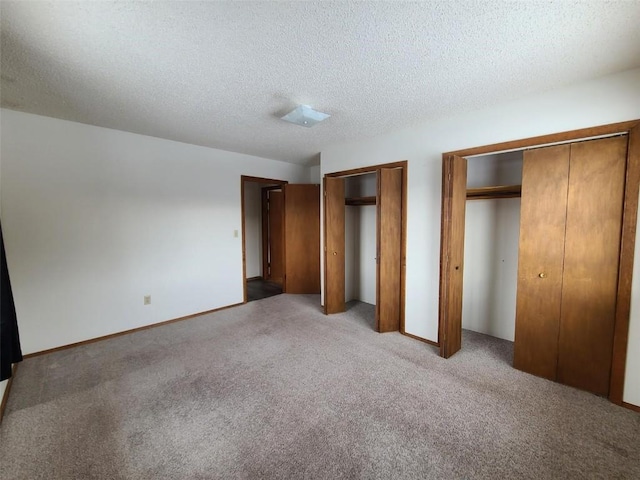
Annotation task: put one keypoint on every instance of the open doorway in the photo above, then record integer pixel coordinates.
(262, 237)
(280, 237)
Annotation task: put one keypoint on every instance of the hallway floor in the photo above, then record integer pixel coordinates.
(259, 288)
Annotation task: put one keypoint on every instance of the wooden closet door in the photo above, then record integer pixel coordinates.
(389, 249)
(543, 210)
(592, 250)
(302, 238)
(334, 281)
(454, 203)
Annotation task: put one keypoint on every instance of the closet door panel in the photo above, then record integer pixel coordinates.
(454, 202)
(302, 238)
(389, 257)
(592, 250)
(540, 259)
(334, 273)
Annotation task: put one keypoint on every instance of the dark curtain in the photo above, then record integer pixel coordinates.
(10, 351)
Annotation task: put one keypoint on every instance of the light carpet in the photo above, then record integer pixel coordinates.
(276, 389)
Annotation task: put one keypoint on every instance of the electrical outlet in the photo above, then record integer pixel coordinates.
(147, 299)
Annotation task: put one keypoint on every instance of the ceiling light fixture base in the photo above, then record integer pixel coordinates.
(305, 116)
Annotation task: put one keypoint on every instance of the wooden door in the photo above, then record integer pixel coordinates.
(302, 238)
(276, 236)
(264, 195)
(454, 200)
(543, 210)
(334, 272)
(591, 261)
(389, 249)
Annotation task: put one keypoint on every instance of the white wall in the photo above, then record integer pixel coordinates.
(365, 185)
(606, 100)
(494, 169)
(94, 219)
(253, 228)
(351, 274)
(360, 253)
(314, 174)
(491, 266)
(366, 255)
(360, 241)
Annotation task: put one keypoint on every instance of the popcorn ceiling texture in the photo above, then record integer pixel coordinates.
(220, 74)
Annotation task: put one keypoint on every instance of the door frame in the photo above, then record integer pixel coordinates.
(628, 237)
(403, 164)
(244, 179)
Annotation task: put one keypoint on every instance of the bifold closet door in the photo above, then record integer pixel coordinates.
(570, 232)
(334, 281)
(543, 212)
(454, 196)
(389, 249)
(302, 238)
(591, 263)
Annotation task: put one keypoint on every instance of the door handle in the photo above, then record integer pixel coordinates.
(335, 253)
(542, 275)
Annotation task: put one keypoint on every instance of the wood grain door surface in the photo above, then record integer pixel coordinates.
(543, 211)
(389, 249)
(334, 228)
(591, 261)
(276, 236)
(302, 238)
(570, 233)
(454, 186)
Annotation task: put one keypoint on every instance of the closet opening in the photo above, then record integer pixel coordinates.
(364, 243)
(576, 244)
(360, 245)
(492, 223)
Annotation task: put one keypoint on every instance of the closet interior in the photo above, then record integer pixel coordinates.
(360, 238)
(492, 223)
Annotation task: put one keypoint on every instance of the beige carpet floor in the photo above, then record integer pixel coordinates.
(275, 389)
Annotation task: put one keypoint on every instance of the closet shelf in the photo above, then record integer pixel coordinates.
(502, 191)
(360, 201)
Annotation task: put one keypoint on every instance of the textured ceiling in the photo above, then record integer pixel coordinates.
(221, 73)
